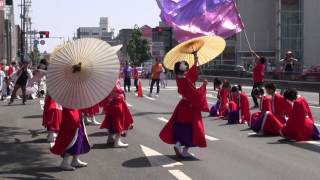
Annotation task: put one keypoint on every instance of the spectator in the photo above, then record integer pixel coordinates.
(155, 76)
(163, 79)
(136, 76)
(288, 62)
(258, 78)
(23, 74)
(127, 77)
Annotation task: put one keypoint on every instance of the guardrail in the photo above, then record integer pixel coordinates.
(280, 84)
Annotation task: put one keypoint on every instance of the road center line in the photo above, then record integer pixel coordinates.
(209, 138)
(179, 175)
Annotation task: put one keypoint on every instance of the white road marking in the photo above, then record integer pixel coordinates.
(157, 159)
(179, 175)
(129, 105)
(317, 143)
(41, 104)
(252, 133)
(316, 107)
(209, 138)
(163, 119)
(317, 124)
(150, 98)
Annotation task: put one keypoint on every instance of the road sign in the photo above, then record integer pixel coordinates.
(42, 42)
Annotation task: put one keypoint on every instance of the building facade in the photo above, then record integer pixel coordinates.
(275, 26)
(102, 32)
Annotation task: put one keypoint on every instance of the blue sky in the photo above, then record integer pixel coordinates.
(62, 17)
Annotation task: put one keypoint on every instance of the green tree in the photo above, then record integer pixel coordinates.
(138, 48)
(35, 56)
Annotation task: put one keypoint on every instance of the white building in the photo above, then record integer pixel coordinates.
(101, 32)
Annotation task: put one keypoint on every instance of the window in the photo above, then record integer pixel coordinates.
(292, 27)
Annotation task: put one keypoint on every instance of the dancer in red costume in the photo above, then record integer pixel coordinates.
(274, 119)
(265, 107)
(89, 115)
(72, 140)
(221, 107)
(52, 116)
(300, 125)
(185, 128)
(239, 106)
(118, 119)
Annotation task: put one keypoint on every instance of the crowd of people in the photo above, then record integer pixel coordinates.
(22, 81)
(286, 115)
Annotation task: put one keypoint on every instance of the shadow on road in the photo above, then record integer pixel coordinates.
(303, 145)
(33, 117)
(143, 162)
(98, 134)
(150, 113)
(22, 160)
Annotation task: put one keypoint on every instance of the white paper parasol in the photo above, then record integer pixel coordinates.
(82, 73)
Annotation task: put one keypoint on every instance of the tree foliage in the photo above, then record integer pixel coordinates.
(138, 48)
(35, 56)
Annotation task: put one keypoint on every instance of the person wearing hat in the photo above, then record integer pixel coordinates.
(288, 62)
(185, 128)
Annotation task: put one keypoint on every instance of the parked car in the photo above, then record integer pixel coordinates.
(227, 70)
(311, 74)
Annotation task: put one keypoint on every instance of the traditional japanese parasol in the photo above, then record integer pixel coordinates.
(208, 47)
(82, 73)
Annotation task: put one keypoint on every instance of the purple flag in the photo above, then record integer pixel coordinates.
(194, 18)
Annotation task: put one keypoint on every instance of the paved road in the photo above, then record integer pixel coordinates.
(232, 153)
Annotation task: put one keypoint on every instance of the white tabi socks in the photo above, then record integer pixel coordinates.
(65, 164)
(118, 143)
(51, 136)
(185, 152)
(178, 149)
(77, 163)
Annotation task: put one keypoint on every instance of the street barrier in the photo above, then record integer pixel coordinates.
(280, 84)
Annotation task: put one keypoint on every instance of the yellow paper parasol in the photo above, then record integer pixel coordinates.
(82, 73)
(208, 47)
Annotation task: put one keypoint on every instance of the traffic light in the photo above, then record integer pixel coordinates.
(160, 29)
(44, 34)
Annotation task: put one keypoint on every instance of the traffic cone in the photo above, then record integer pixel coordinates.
(140, 93)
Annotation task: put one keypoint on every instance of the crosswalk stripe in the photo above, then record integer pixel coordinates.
(209, 138)
(157, 159)
(179, 175)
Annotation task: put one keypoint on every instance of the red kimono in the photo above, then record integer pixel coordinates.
(91, 111)
(239, 109)
(280, 107)
(118, 118)
(187, 115)
(52, 115)
(300, 125)
(265, 105)
(221, 107)
(71, 122)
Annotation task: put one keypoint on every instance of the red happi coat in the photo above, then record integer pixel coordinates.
(117, 114)
(91, 111)
(224, 99)
(300, 125)
(265, 106)
(281, 108)
(71, 121)
(188, 110)
(52, 114)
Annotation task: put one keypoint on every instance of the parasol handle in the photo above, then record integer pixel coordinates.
(76, 68)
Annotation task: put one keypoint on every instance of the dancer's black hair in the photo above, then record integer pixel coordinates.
(177, 68)
(291, 94)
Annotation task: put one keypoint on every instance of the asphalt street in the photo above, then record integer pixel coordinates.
(233, 153)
